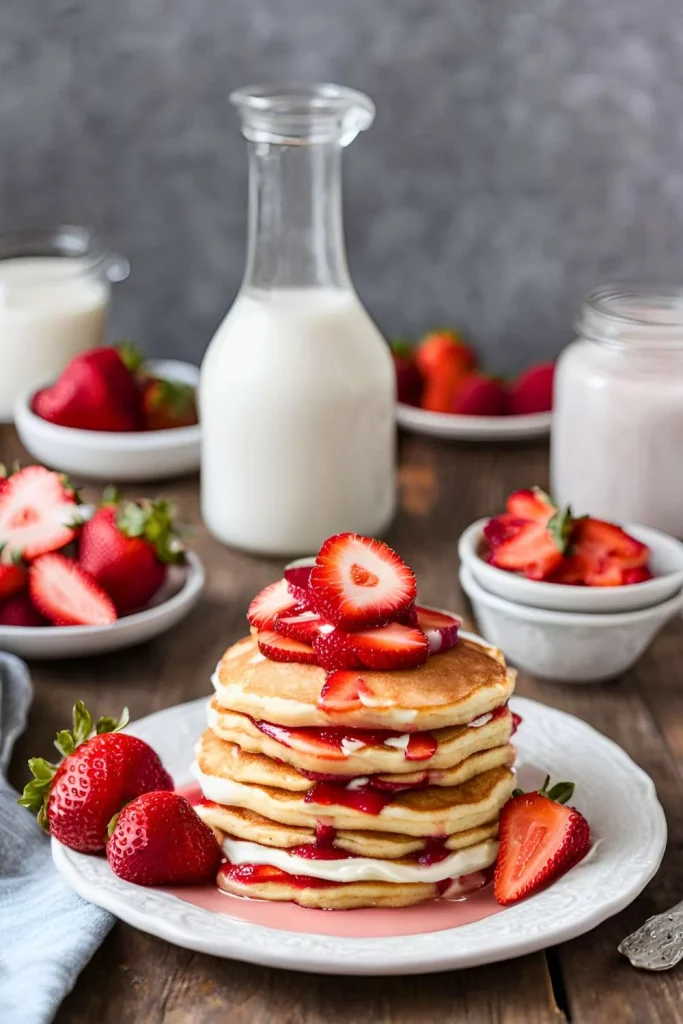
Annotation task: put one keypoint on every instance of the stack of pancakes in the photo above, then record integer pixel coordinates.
(388, 804)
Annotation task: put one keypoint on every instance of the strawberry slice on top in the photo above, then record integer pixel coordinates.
(38, 512)
(273, 600)
(357, 582)
(534, 505)
(390, 647)
(284, 648)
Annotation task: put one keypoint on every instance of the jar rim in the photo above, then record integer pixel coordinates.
(69, 241)
(647, 315)
(300, 113)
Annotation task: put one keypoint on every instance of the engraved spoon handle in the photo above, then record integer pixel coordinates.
(658, 944)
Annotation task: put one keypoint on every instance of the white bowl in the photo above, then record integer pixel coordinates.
(113, 456)
(451, 426)
(566, 646)
(666, 564)
(174, 601)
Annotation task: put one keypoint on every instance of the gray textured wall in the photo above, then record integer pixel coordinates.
(523, 150)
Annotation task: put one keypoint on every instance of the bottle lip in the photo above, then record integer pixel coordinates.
(637, 315)
(300, 113)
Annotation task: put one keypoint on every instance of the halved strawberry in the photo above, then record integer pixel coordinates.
(357, 581)
(340, 693)
(571, 571)
(534, 551)
(284, 648)
(440, 628)
(540, 839)
(640, 575)
(12, 579)
(304, 626)
(534, 505)
(393, 646)
(67, 595)
(334, 650)
(501, 528)
(421, 746)
(38, 512)
(596, 539)
(273, 600)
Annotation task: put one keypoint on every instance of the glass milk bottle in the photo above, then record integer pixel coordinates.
(297, 387)
(617, 434)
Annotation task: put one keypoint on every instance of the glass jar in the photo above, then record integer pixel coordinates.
(54, 296)
(297, 389)
(617, 435)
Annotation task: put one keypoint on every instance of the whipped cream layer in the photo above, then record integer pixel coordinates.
(363, 869)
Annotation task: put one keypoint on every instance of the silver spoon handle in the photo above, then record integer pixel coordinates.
(658, 944)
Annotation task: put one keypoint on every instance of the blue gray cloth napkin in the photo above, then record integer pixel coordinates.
(47, 932)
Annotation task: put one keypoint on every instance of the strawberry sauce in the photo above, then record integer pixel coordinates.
(364, 799)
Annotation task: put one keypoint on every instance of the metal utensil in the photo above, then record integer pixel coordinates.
(658, 944)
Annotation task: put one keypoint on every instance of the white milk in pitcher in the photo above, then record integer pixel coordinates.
(297, 400)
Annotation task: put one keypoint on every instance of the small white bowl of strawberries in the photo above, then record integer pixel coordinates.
(79, 580)
(569, 598)
(443, 392)
(111, 416)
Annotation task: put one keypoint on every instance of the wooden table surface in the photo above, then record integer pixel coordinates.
(137, 979)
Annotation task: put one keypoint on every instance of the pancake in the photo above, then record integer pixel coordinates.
(433, 811)
(245, 824)
(452, 688)
(229, 761)
(322, 751)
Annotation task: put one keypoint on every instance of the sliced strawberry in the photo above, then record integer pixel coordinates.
(409, 616)
(340, 693)
(440, 628)
(392, 646)
(67, 595)
(640, 575)
(299, 573)
(501, 528)
(283, 648)
(272, 601)
(357, 581)
(37, 512)
(308, 740)
(571, 571)
(603, 572)
(304, 627)
(534, 505)
(540, 839)
(596, 539)
(421, 746)
(532, 551)
(12, 580)
(333, 649)
(19, 611)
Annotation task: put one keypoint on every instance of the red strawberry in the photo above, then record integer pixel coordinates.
(390, 647)
(307, 740)
(445, 362)
(67, 595)
(341, 693)
(18, 611)
(158, 839)
(167, 404)
(536, 551)
(640, 575)
(357, 581)
(516, 722)
(362, 798)
(305, 626)
(501, 528)
(421, 746)
(273, 600)
(127, 550)
(533, 390)
(478, 395)
(76, 801)
(96, 391)
(595, 539)
(534, 505)
(283, 648)
(408, 377)
(333, 650)
(38, 512)
(571, 571)
(12, 579)
(540, 840)
(440, 629)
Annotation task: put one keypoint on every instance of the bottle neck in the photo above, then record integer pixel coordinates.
(295, 234)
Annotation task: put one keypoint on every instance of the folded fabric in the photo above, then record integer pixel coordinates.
(47, 932)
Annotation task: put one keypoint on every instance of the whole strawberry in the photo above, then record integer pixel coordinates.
(76, 800)
(96, 391)
(128, 549)
(167, 404)
(158, 839)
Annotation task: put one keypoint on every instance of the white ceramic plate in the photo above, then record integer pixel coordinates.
(629, 832)
(173, 602)
(114, 457)
(453, 427)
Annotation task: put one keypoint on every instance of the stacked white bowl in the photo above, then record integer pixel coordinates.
(567, 633)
